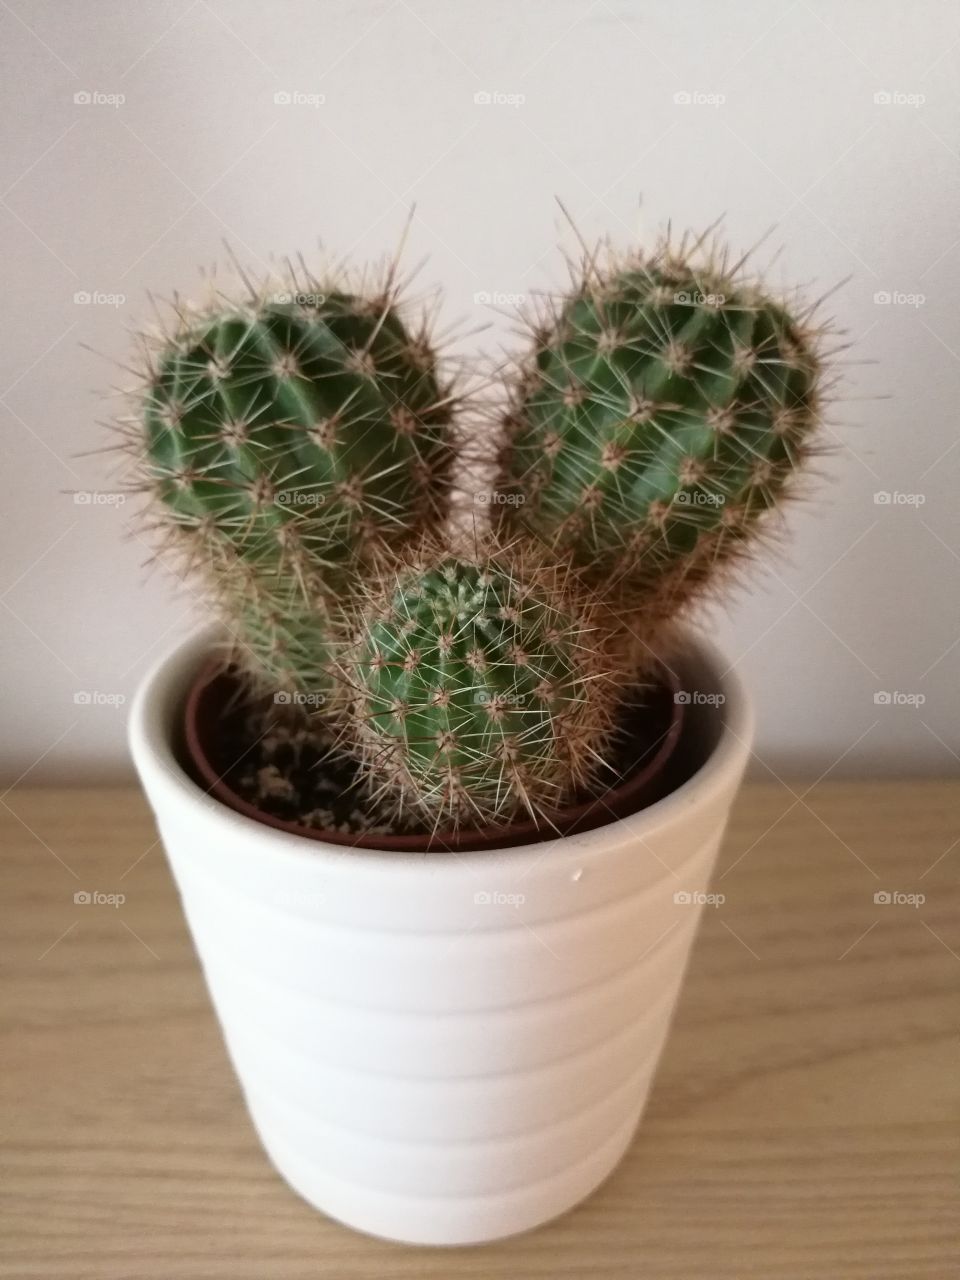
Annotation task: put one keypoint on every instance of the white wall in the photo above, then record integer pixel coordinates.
(130, 198)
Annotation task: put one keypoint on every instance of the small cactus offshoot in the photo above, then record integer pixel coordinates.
(476, 690)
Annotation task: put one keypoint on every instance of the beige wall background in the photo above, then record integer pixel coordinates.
(138, 136)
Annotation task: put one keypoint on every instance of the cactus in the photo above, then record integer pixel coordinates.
(476, 691)
(297, 432)
(665, 409)
(284, 438)
(301, 449)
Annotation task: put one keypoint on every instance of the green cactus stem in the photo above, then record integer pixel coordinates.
(477, 693)
(664, 410)
(298, 432)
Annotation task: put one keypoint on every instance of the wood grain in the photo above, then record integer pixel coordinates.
(803, 1124)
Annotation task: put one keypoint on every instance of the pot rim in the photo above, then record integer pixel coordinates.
(161, 696)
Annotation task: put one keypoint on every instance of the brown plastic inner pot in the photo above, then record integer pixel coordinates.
(653, 733)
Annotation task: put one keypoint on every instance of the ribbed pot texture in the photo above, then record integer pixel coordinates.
(435, 1048)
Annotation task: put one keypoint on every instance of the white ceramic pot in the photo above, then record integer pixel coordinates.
(444, 1048)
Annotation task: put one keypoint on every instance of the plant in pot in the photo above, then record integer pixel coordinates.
(442, 806)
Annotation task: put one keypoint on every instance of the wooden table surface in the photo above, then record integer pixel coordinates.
(804, 1121)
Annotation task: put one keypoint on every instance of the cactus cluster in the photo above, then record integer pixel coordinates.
(300, 447)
